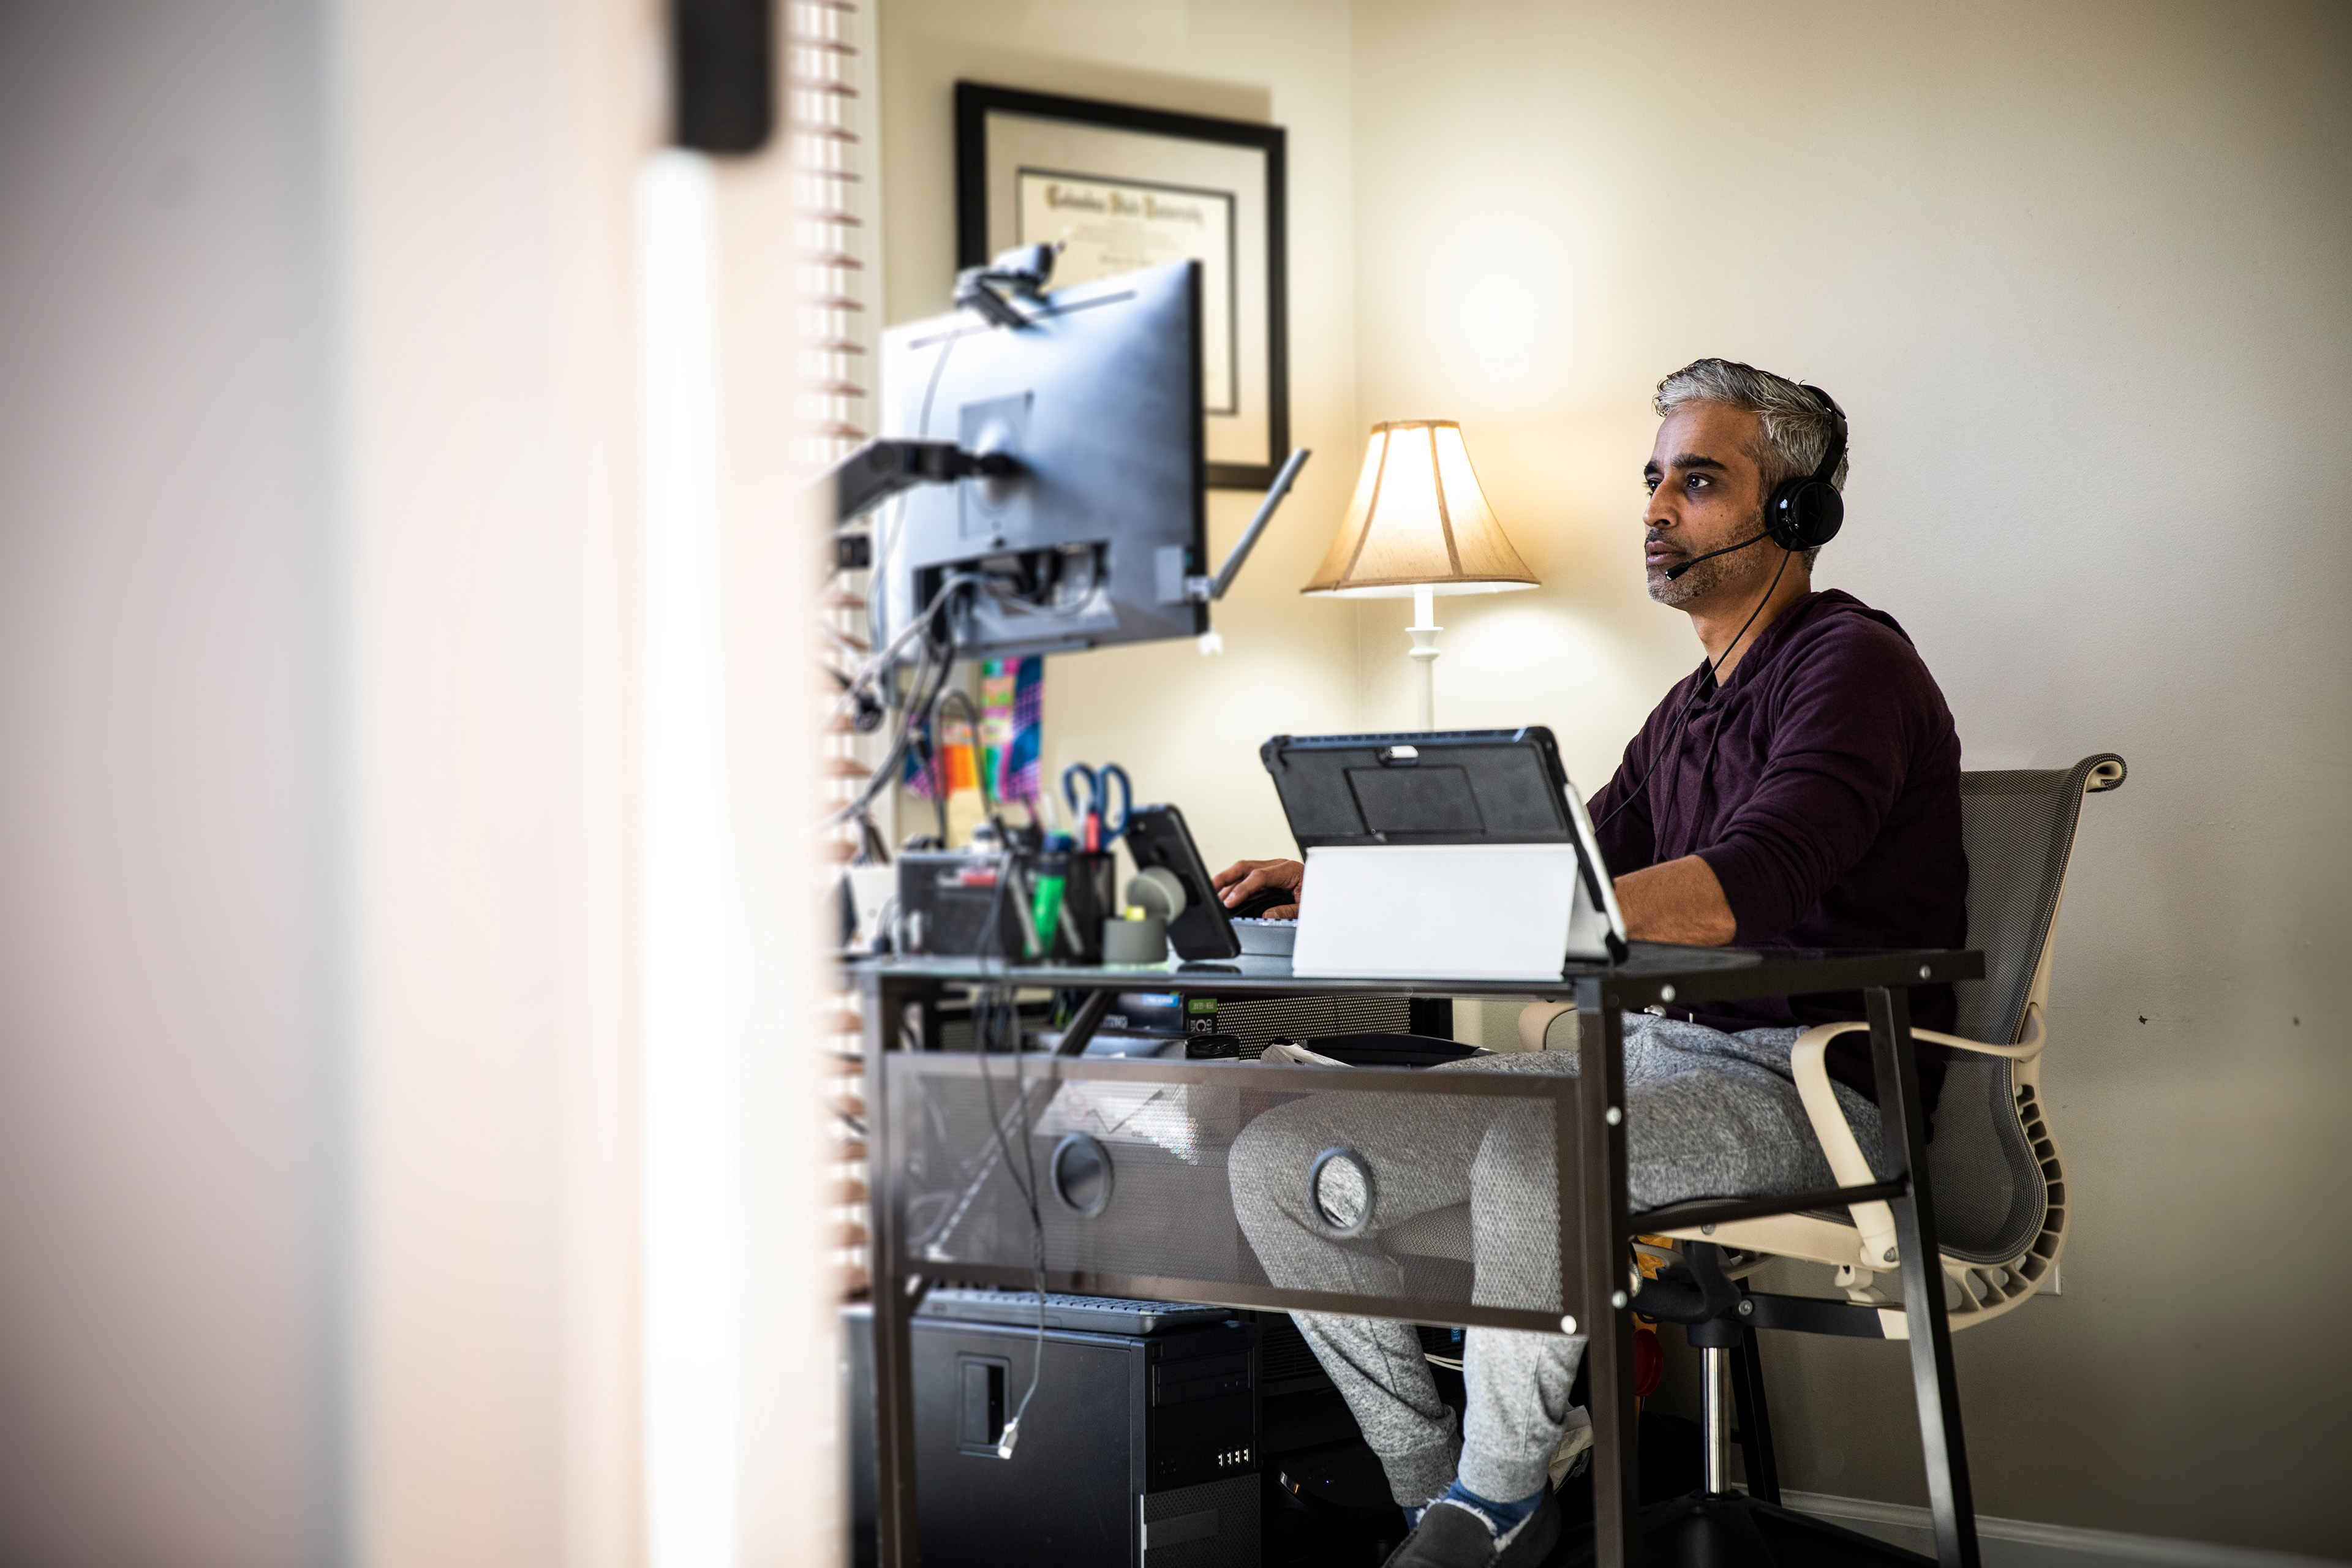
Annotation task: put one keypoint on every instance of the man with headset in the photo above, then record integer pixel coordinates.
(1800, 788)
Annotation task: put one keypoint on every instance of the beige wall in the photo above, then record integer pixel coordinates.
(2078, 273)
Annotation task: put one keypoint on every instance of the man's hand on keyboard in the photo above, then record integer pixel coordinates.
(1246, 881)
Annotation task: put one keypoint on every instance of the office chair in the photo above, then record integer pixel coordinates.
(1998, 1184)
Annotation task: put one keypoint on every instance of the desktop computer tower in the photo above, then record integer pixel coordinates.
(1139, 1451)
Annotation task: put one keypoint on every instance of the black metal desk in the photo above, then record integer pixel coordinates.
(900, 1001)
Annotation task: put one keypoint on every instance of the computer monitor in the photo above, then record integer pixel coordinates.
(1091, 536)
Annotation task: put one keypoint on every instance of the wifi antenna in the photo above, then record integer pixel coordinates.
(1209, 590)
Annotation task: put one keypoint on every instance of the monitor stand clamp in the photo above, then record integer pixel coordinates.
(880, 470)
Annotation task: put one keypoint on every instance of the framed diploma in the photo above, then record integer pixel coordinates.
(1122, 188)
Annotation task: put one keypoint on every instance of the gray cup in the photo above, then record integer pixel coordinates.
(1135, 941)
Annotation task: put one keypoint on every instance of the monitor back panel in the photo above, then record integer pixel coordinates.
(1098, 400)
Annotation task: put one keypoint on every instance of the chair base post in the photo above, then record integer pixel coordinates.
(1715, 1418)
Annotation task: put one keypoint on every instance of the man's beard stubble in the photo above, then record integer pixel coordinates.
(1704, 578)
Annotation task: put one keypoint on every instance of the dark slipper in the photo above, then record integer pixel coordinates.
(1452, 1537)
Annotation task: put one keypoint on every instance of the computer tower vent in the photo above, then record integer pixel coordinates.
(1213, 1525)
(1284, 1358)
(1256, 1022)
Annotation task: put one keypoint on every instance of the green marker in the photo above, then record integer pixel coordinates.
(1045, 912)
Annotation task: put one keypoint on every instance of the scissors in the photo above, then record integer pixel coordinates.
(1098, 829)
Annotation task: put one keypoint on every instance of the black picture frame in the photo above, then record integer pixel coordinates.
(975, 103)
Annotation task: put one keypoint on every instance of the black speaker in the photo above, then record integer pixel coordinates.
(1137, 1449)
(723, 74)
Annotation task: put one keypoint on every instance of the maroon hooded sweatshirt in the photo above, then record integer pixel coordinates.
(1822, 784)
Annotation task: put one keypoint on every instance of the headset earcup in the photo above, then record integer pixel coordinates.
(1807, 512)
(1825, 515)
(1804, 514)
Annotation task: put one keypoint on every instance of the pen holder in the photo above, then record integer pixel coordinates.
(1066, 894)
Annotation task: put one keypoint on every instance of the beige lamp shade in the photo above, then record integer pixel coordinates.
(1419, 521)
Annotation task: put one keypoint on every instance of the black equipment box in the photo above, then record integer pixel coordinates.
(1137, 1452)
(961, 903)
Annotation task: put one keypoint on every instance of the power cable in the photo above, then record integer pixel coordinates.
(987, 1006)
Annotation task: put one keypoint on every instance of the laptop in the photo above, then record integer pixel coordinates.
(1450, 854)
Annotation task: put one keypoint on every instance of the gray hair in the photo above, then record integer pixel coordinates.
(1797, 429)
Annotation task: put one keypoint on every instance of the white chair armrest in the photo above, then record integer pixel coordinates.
(1808, 1064)
(1535, 1020)
(2024, 1051)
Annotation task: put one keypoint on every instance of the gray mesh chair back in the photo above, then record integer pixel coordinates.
(2017, 829)
(1992, 1192)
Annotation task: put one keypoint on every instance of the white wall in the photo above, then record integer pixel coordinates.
(790, 1450)
(486, 159)
(166, 1183)
(319, 919)
(315, 1193)
(2078, 273)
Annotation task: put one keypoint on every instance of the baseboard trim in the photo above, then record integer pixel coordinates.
(2022, 1544)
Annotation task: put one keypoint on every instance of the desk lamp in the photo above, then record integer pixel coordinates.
(1419, 524)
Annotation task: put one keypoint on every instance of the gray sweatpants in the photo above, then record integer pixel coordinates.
(1708, 1115)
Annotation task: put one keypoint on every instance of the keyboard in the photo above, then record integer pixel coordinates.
(1086, 1314)
(1266, 939)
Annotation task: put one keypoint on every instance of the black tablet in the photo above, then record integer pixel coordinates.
(1438, 786)
(1457, 786)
